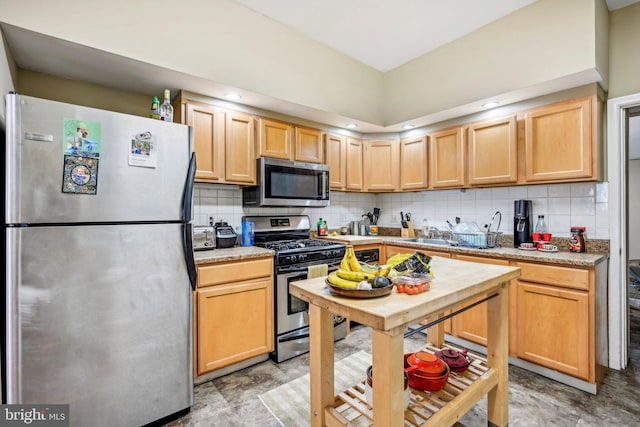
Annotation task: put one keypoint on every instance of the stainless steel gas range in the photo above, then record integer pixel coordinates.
(295, 252)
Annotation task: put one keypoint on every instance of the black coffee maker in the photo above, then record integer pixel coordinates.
(522, 222)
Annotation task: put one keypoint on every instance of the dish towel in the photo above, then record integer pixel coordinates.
(319, 270)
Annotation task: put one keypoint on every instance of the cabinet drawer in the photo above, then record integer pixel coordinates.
(238, 271)
(554, 275)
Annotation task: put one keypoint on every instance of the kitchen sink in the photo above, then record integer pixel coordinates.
(427, 241)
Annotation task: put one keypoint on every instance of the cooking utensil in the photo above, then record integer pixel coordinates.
(457, 361)
(402, 221)
(493, 219)
(420, 381)
(408, 216)
(376, 215)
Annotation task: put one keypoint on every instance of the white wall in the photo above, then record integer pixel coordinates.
(224, 42)
(221, 41)
(543, 42)
(563, 205)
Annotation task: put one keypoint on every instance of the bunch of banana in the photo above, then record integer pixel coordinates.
(336, 280)
(354, 274)
(349, 261)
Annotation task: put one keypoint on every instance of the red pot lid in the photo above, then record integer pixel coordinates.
(427, 363)
(453, 358)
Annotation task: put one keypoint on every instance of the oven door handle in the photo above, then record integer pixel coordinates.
(299, 269)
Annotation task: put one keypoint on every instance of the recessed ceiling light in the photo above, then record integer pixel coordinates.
(408, 126)
(490, 104)
(351, 126)
(232, 96)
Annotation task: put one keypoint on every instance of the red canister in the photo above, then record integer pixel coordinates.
(576, 241)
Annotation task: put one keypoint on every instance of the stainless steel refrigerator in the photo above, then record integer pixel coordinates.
(99, 265)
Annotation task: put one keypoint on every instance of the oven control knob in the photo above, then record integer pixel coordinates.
(302, 257)
(294, 258)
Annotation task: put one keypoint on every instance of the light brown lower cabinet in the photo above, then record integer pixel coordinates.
(553, 328)
(472, 323)
(555, 325)
(557, 315)
(233, 313)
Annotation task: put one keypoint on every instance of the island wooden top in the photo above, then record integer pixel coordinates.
(454, 282)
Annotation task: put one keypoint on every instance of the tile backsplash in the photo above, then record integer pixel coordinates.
(563, 205)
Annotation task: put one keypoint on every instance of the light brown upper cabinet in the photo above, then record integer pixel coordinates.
(413, 163)
(274, 139)
(381, 165)
(493, 152)
(286, 141)
(335, 153)
(308, 145)
(447, 159)
(208, 125)
(354, 164)
(561, 141)
(240, 153)
(223, 141)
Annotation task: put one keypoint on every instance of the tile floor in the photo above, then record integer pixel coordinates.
(533, 400)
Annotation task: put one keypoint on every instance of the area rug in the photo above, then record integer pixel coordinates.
(289, 403)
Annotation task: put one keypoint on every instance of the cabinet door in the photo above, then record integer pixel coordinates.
(447, 160)
(336, 157)
(308, 146)
(413, 163)
(493, 152)
(381, 165)
(354, 164)
(553, 328)
(240, 158)
(559, 142)
(471, 325)
(208, 140)
(274, 139)
(235, 323)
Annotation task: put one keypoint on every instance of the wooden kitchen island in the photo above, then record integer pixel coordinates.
(455, 282)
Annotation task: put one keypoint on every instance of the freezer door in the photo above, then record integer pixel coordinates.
(36, 145)
(100, 317)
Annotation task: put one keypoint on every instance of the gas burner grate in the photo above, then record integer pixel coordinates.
(284, 245)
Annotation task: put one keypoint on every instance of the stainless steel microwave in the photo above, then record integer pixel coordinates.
(288, 183)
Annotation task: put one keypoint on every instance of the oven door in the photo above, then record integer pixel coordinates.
(291, 312)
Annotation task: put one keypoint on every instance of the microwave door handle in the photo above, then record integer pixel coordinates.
(325, 187)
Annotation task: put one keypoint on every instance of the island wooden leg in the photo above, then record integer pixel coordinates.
(388, 378)
(435, 334)
(321, 355)
(498, 357)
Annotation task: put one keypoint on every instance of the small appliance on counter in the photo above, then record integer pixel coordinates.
(522, 222)
(225, 235)
(204, 238)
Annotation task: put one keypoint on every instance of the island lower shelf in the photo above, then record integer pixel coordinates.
(426, 408)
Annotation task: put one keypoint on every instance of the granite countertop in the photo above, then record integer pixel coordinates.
(561, 257)
(511, 253)
(235, 253)
(503, 252)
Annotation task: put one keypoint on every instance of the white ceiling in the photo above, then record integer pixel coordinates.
(377, 32)
(381, 33)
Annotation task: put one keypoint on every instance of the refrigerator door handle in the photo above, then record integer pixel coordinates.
(187, 243)
(187, 232)
(187, 196)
